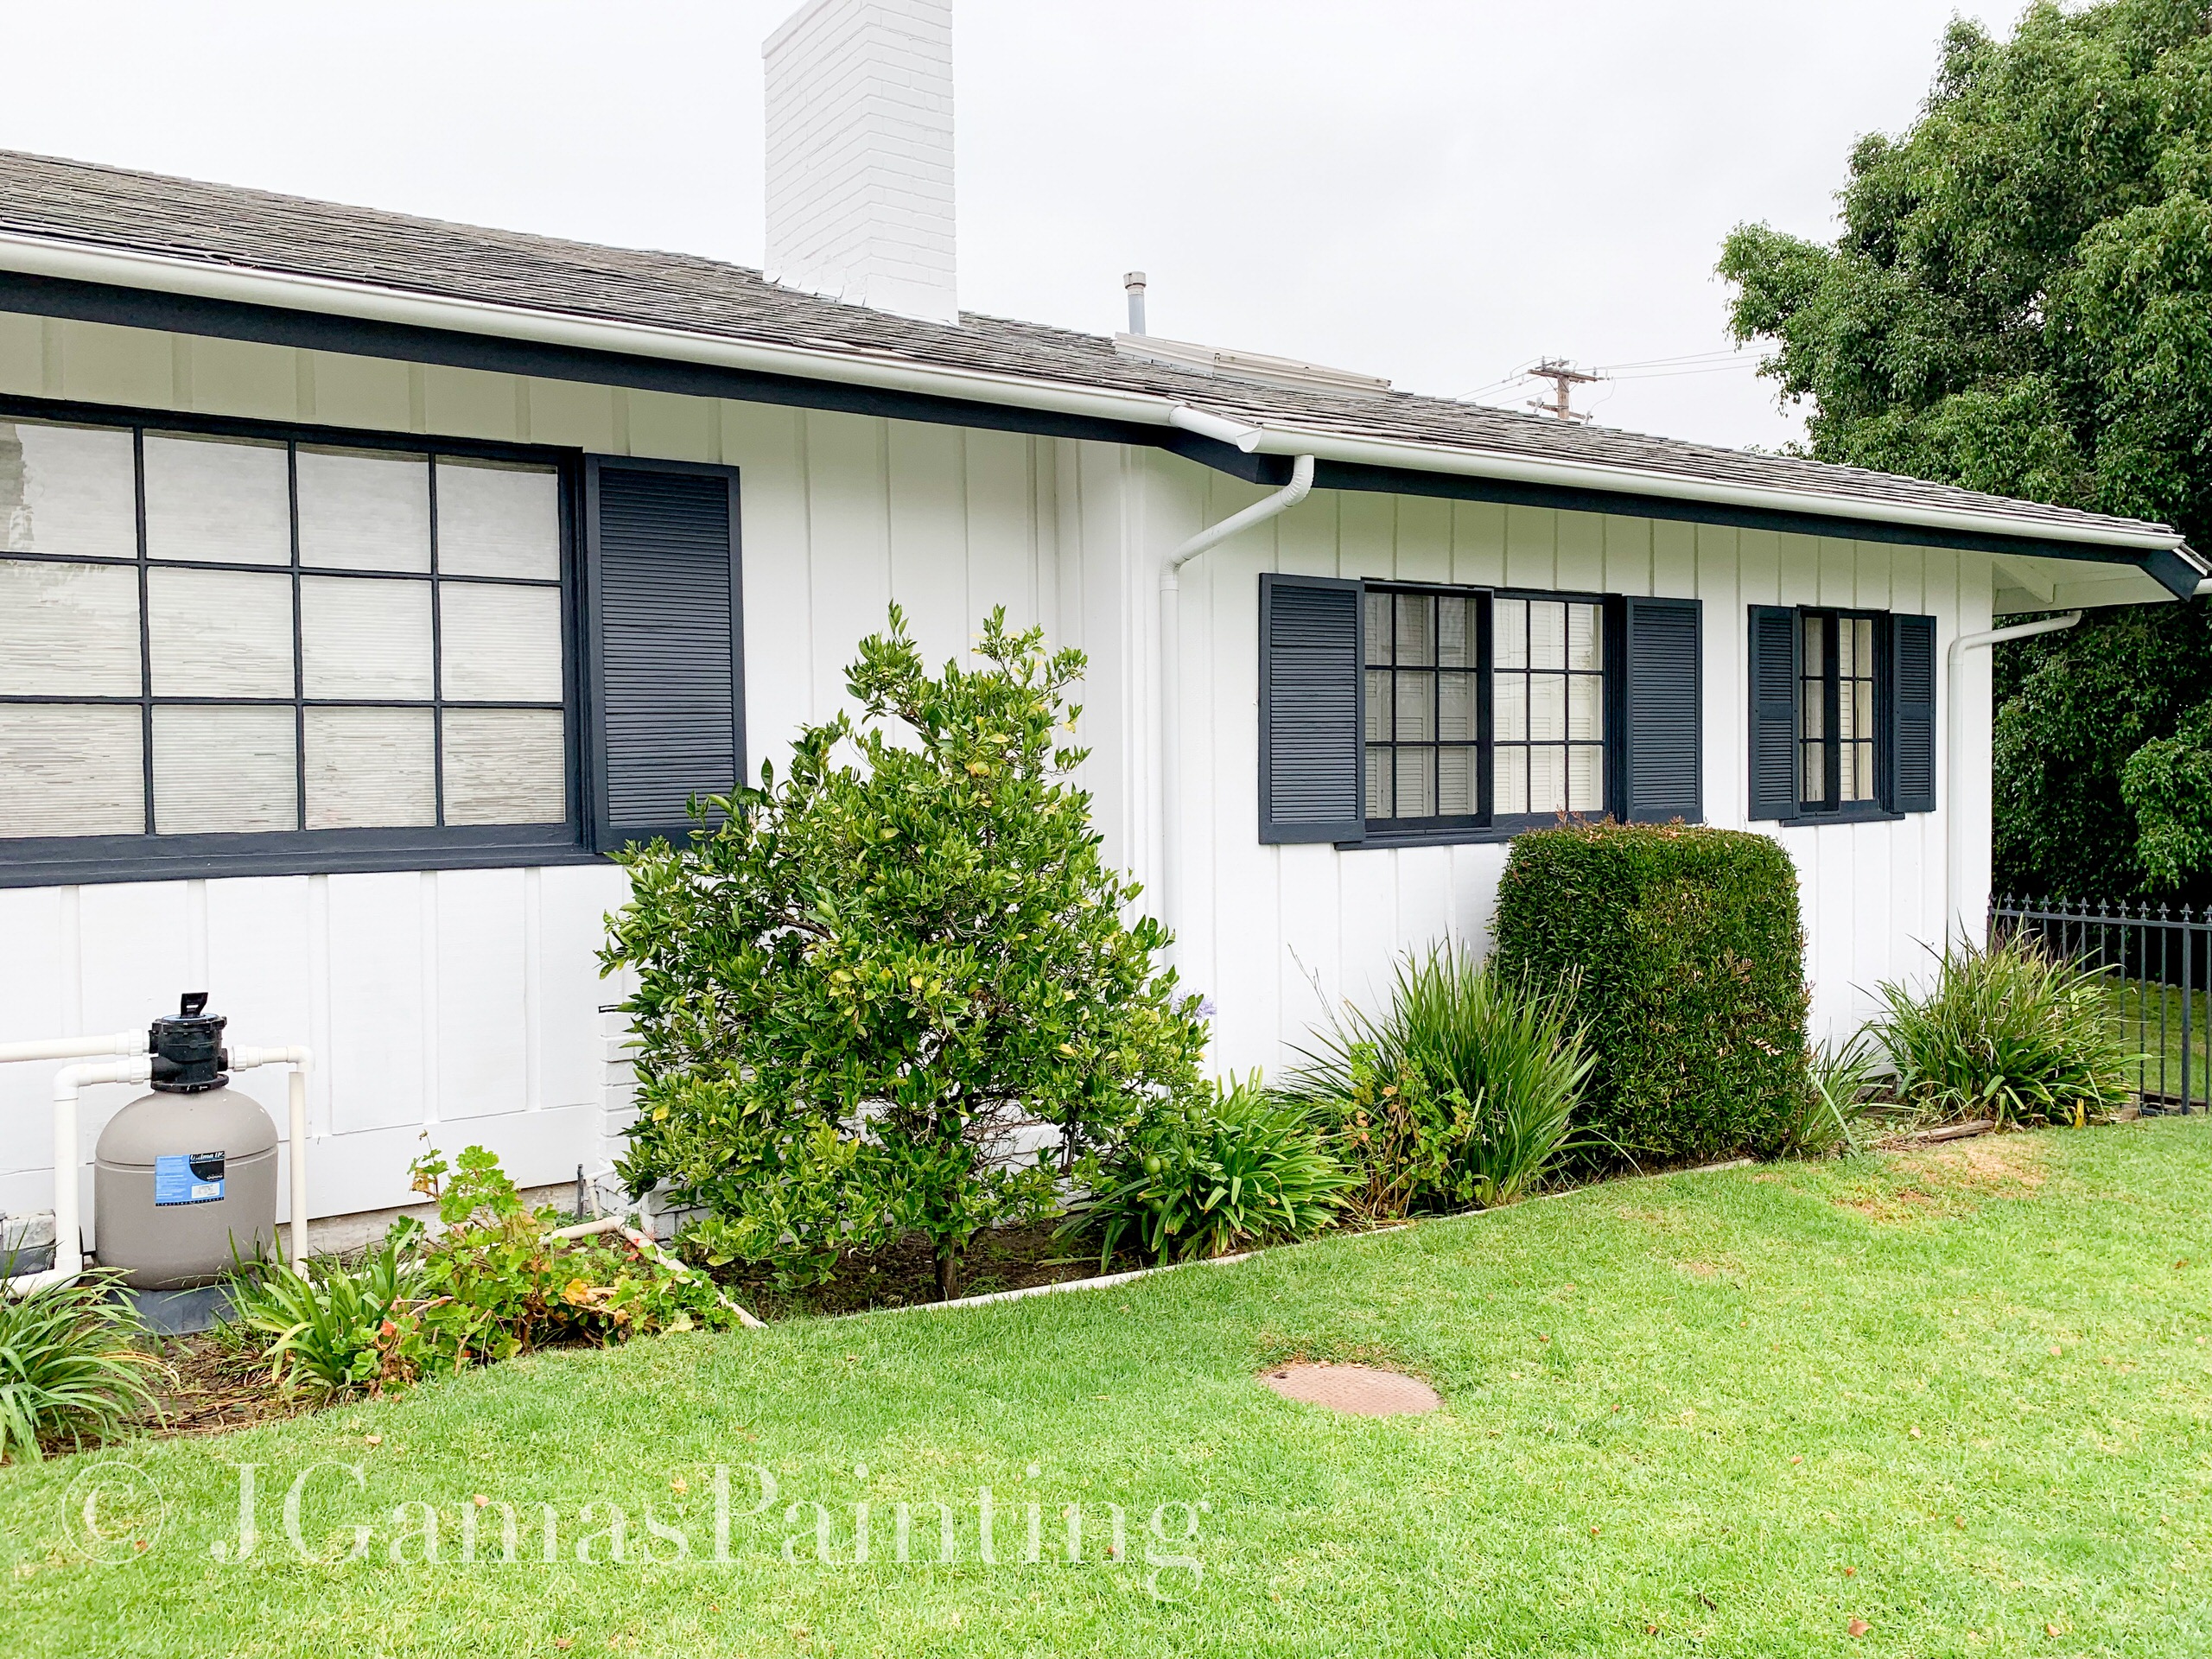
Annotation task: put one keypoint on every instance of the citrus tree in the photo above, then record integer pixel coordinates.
(862, 989)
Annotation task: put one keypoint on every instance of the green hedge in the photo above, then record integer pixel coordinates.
(1689, 963)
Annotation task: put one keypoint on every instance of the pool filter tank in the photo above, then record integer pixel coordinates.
(186, 1175)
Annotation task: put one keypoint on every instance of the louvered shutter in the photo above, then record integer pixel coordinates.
(1912, 703)
(667, 645)
(1774, 712)
(1311, 771)
(1662, 746)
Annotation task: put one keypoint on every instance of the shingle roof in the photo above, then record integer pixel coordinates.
(227, 225)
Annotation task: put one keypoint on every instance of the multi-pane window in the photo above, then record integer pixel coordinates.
(1550, 700)
(1836, 710)
(204, 633)
(1423, 738)
(1481, 707)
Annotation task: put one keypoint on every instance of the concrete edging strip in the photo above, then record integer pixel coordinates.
(1107, 1280)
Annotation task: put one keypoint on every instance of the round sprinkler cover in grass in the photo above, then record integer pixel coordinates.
(1360, 1389)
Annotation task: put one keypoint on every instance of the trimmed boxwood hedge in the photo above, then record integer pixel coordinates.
(1688, 959)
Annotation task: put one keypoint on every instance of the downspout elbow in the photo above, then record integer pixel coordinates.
(1266, 507)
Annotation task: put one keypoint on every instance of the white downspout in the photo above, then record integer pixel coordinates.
(1955, 837)
(1171, 690)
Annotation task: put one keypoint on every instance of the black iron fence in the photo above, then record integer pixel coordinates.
(2154, 960)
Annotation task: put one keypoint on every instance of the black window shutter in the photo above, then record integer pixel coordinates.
(667, 645)
(1774, 712)
(1312, 773)
(1662, 741)
(1912, 703)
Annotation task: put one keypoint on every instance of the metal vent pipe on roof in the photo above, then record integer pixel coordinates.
(1133, 282)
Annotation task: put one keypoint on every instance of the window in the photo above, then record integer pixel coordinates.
(1436, 691)
(1843, 710)
(1393, 713)
(1423, 736)
(210, 633)
(1549, 688)
(1836, 701)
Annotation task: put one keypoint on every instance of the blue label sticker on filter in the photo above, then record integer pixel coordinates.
(188, 1177)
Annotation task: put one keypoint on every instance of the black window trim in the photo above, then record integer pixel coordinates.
(1400, 832)
(1882, 807)
(68, 861)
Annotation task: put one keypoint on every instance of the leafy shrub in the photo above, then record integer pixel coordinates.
(1680, 951)
(1461, 1092)
(493, 1283)
(1204, 1174)
(69, 1364)
(857, 989)
(2011, 1034)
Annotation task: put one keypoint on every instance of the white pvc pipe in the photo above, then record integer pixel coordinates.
(301, 1058)
(75, 1048)
(1171, 677)
(1955, 832)
(48, 255)
(68, 1243)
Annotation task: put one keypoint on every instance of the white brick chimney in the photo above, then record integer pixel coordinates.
(859, 154)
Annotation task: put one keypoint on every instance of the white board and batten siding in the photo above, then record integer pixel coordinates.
(465, 1005)
(1278, 936)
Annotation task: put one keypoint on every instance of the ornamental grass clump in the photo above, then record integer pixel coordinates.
(70, 1364)
(1216, 1171)
(2011, 1034)
(1461, 1091)
(859, 988)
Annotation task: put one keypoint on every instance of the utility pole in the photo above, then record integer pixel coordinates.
(1564, 378)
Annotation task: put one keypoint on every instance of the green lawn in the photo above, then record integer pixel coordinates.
(1961, 1394)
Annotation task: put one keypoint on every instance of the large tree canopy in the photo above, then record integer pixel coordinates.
(2021, 302)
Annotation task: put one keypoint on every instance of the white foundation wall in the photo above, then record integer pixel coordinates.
(448, 1007)
(1279, 936)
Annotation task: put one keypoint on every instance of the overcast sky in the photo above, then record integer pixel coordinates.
(1437, 190)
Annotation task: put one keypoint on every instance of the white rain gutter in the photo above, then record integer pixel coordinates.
(1954, 745)
(857, 365)
(1171, 664)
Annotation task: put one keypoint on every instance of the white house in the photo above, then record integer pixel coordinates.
(365, 579)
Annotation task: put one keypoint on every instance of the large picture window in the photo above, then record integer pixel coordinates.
(204, 633)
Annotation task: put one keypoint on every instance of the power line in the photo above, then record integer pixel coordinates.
(1564, 377)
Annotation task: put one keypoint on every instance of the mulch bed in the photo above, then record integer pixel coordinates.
(905, 1273)
(204, 1387)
